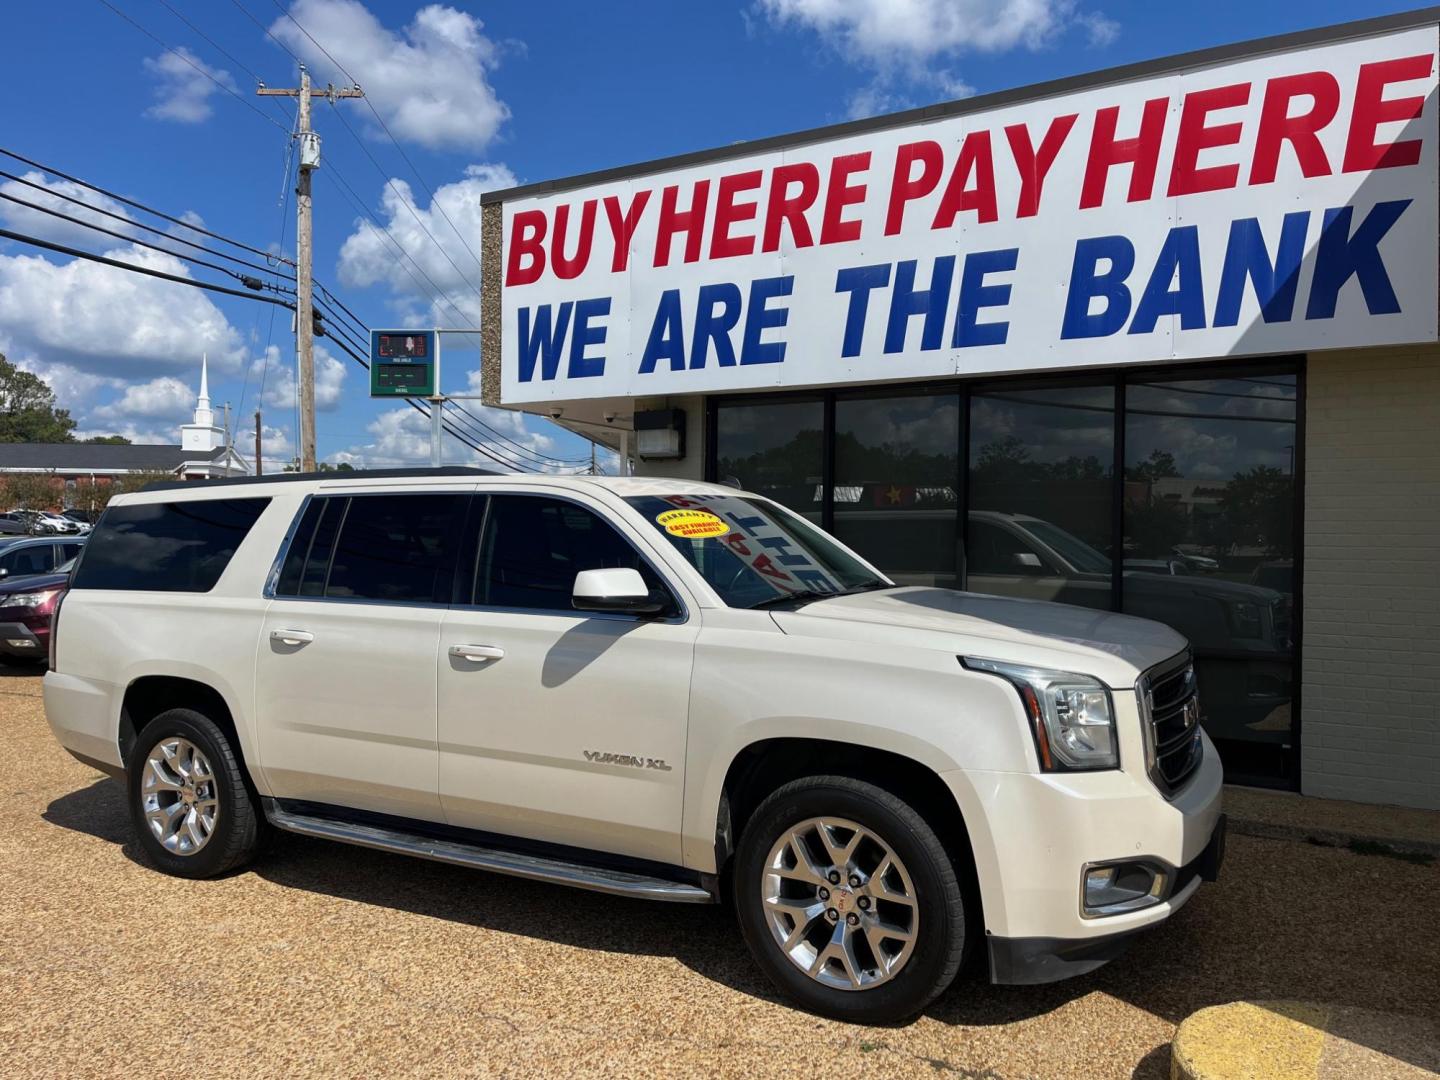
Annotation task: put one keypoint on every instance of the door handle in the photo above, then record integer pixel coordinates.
(292, 637)
(477, 653)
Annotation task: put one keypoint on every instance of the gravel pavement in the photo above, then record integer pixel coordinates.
(328, 960)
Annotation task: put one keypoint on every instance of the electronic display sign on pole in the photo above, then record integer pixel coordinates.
(404, 363)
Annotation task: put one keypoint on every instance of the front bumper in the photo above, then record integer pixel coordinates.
(18, 640)
(1029, 961)
(1032, 834)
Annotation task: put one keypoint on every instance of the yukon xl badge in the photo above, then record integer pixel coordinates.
(600, 758)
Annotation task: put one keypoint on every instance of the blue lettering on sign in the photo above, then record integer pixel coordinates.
(717, 315)
(667, 335)
(761, 317)
(975, 294)
(1342, 256)
(543, 341)
(1179, 262)
(907, 301)
(582, 366)
(859, 282)
(1246, 257)
(1087, 283)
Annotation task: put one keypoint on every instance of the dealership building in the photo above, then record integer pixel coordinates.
(1159, 340)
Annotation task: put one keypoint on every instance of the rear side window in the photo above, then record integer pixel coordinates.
(392, 548)
(166, 547)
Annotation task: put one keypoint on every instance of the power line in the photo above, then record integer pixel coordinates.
(185, 59)
(245, 279)
(35, 241)
(133, 223)
(141, 206)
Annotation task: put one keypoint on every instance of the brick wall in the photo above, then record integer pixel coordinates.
(1371, 667)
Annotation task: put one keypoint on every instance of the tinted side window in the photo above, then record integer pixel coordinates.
(38, 559)
(288, 583)
(397, 548)
(533, 547)
(166, 547)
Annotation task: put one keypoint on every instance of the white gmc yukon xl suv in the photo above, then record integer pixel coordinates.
(652, 688)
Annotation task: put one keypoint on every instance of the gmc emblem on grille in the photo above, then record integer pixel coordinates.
(1192, 713)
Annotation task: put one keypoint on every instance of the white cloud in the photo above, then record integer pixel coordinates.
(165, 398)
(102, 319)
(278, 372)
(369, 257)
(904, 40)
(182, 92)
(147, 435)
(73, 387)
(429, 81)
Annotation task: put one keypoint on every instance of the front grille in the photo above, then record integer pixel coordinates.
(1172, 710)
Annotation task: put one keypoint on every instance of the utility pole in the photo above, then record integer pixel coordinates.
(304, 255)
(259, 468)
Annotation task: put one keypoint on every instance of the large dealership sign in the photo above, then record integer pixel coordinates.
(1276, 204)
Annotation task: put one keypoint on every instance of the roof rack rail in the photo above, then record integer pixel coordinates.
(284, 477)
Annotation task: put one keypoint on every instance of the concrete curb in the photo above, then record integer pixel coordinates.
(1296, 1040)
(1376, 845)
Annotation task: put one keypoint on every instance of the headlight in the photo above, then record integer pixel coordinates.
(1070, 715)
(30, 599)
(1246, 620)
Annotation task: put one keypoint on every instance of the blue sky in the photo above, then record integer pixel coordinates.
(478, 95)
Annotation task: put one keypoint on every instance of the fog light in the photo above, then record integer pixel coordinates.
(1120, 887)
(20, 643)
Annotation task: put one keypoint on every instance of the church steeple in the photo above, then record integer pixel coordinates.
(201, 435)
(204, 415)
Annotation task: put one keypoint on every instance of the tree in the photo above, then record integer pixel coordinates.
(30, 491)
(27, 408)
(1257, 509)
(1159, 465)
(107, 440)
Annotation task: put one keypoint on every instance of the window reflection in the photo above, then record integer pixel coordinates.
(1209, 540)
(773, 449)
(895, 472)
(1039, 524)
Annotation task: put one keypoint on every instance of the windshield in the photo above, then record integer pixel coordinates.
(753, 552)
(1071, 548)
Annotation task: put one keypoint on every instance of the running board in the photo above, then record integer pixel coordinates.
(534, 867)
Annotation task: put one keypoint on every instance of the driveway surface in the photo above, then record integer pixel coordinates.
(330, 960)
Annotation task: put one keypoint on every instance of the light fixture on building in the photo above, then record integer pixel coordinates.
(660, 434)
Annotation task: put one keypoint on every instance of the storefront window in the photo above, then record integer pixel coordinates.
(773, 449)
(1041, 467)
(1209, 544)
(896, 466)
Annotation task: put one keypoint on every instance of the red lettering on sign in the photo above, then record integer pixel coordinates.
(1195, 135)
(906, 186)
(1035, 165)
(834, 228)
(1372, 109)
(1301, 131)
(1140, 153)
(622, 226)
(567, 268)
(691, 222)
(728, 213)
(975, 160)
(526, 260)
(789, 210)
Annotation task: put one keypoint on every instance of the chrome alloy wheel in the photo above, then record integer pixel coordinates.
(840, 903)
(179, 795)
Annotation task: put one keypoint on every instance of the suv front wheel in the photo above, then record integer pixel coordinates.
(848, 900)
(188, 800)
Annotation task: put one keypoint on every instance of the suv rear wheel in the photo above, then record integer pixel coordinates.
(188, 799)
(848, 900)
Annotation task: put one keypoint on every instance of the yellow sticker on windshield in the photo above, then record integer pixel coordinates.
(692, 524)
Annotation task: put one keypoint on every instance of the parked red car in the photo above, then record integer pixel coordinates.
(26, 607)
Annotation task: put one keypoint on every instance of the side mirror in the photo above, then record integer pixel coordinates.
(1027, 561)
(620, 590)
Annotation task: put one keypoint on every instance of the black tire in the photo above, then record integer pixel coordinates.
(238, 824)
(940, 944)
